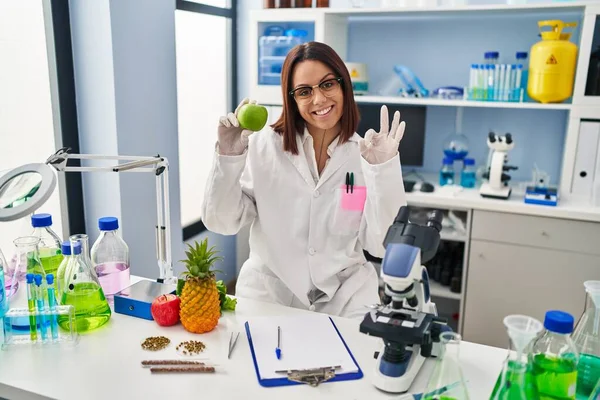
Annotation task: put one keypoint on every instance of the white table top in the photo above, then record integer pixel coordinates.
(106, 365)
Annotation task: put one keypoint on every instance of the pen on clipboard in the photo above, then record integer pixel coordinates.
(278, 348)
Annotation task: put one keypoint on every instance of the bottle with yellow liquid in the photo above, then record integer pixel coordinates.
(83, 291)
(50, 244)
(554, 358)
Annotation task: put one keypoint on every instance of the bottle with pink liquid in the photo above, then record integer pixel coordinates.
(110, 258)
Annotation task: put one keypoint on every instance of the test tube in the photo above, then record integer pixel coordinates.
(502, 75)
(473, 80)
(52, 306)
(31, 308)
(518, 78)
(496, 80)
(480, 80)
(39, 294)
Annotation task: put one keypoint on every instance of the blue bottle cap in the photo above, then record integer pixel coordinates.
(65, 248)
(521, 55)
(108, 223)
(447, 161)
(29, 278)
(38, 279)
(559, 322)
(76, 248)
(474, 66)
(495, 54)
(50, 279)
(469, 161)
(487, 54)
(41, 220)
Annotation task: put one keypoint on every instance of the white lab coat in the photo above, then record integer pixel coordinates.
(300, 238)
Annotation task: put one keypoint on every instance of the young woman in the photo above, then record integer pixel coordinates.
(308, 227)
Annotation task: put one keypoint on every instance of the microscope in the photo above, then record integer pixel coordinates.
(407, 321)
(497, 185)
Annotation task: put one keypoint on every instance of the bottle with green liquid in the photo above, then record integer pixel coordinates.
(83, 291)
(515, 381)
(554, 358)
(587, 340)
(50, 244)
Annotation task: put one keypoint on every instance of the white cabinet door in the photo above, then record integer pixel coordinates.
(506, 279)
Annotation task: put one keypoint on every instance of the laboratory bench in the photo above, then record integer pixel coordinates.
(105, 364)
(518, 258)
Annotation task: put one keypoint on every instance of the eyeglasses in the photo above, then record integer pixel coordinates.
(304, 94)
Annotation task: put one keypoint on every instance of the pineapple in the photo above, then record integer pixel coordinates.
(200, 305)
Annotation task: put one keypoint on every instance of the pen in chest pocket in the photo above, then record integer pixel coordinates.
(350, 182)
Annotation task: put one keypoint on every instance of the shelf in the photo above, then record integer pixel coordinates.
(460, 103)
(439, 290)
(452, 236)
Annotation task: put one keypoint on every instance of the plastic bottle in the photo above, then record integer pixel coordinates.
(587, 340)
(447, 172)
(83, 291)
(62, 269)
(50, 243)
(554, 358)
(110, 258)
(468, 175)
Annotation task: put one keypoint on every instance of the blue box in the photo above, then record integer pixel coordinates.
(137, 299)
(541, 196)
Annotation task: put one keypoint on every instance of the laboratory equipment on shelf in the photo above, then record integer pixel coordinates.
(273, 47)
(539, 191)
(359, 77)
(497, 185)
(552, 63)
(447, 173)
(407, 321)
(26, 188)
(83, 291)
(447, 380)
(62, 268)
(405, 83)
(50, 243)
(515, 381)
(110, 258)
(495, 82)
(468, 175)
(587, 340)
(554, 358)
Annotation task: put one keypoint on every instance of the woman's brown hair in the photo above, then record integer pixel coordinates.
(290, 122)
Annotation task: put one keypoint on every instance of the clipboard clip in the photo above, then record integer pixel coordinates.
(312, 376)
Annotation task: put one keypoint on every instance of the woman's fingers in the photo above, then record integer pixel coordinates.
(245, 101)
(395, 122)
(233, 120)
(385, 120)
(225, 122)
(400, 132)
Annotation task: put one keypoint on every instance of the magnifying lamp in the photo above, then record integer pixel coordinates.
(25, 189)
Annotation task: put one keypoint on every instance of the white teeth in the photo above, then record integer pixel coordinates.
(323, 112)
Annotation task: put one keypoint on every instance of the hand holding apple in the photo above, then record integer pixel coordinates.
(165, 309)
(252, 117)
(235, 127)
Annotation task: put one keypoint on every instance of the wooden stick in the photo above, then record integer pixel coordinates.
(171, 362)
(199, 369)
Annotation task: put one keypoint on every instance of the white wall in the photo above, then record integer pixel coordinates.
(26, 121)
(125, 79)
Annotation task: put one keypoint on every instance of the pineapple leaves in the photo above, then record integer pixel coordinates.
(180, 283)
(200, 260)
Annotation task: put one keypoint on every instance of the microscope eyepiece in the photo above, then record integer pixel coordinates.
(435, 220)
(508, 137)
(403, 215)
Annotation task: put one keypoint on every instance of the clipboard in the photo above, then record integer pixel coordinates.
(340, 365)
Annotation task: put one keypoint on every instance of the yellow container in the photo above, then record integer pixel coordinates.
(552, 64)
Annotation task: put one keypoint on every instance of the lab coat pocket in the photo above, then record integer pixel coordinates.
(349, 209)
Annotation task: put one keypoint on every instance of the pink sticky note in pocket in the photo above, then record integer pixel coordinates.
(354, 201)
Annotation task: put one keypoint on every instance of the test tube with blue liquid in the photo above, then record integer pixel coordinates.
(41, 308)
(52, 306)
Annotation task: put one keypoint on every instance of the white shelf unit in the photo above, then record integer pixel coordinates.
(331, 27)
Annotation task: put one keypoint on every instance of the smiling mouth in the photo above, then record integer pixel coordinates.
(323, 112)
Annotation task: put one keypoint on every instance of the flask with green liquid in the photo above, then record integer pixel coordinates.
(554, 358)
(515, 381)
(83, 291)
(447, 381)
(587, 340)
(50, 244)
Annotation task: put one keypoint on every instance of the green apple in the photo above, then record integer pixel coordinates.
(252, 117)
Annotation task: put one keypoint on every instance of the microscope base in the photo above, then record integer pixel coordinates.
(399, 384)
(488, 191)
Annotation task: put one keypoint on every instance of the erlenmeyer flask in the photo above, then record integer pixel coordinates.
(3, 295)
(587, 340)
(595, 393)
(27, 261)
(447, 381)
(83, 291)
(515, 381)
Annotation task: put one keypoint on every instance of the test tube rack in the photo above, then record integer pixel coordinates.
(46, 331)
(483, 94)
